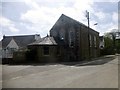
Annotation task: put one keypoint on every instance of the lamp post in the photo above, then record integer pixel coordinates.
(88, 18)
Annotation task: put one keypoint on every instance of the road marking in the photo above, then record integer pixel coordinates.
(32, 74)
(16, 77)
(55, 65)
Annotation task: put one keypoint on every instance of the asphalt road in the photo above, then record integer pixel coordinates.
(102, 73)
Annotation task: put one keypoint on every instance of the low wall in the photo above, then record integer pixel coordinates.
(19, 56)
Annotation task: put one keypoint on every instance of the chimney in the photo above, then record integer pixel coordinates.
(3, 36)
(47, 35)
(37, 36)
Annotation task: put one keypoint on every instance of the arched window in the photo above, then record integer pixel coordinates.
(95, 41)
(62, 34)
(90, 38)
(71, 38)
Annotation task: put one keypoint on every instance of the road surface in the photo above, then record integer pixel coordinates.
(102, 73)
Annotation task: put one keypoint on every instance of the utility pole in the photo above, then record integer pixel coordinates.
(87, 15)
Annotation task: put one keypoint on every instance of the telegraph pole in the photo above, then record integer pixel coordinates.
(87, 15)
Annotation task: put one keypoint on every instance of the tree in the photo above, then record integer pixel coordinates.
(109, 45)
(112, 45)
(118, 46)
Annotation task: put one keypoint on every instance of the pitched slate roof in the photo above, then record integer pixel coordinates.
(67, 19)
(45, 41)
(22, 41)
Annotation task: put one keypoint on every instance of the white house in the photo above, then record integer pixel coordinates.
(102, 42)
(117, 36)
(15, 43)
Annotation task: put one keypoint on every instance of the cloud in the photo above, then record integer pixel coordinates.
(40, 15)
(1, 35)
(82, 6)
(13, 29)
(58, 0)
(7, 23)
(106, 0)
(115, 16)
(32, 4)
(106, 21)
(101, 15)
(107, 27)
(42, 18)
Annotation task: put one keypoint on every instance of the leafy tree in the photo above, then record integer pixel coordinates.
(117, 43)
(108, 41)
(109, 45)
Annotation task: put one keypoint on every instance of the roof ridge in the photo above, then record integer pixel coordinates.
(73, 19)
(78, 22)
(20, 35)
(51, 40)
(45, 41)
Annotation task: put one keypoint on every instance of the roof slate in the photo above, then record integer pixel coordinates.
(22, 41)
(45, 41)
(67, 19)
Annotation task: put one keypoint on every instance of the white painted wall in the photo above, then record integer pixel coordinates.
(13, 44)
(8, 52)
(37, 36)
(102, 43)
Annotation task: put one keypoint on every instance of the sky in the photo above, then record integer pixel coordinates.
(26, 17)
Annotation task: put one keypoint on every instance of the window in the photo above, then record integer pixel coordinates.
(62, 34)
(90, 38)
(46, 50)
(95, 41)
(11, 49)
(71, 39)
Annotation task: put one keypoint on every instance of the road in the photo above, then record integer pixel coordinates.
(102, 73)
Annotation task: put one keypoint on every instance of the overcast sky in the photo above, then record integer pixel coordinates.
(21, 17)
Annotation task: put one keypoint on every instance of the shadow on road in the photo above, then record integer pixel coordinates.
(98, 61)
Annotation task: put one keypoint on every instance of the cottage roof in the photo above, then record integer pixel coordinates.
(21, 41)
(45, 41)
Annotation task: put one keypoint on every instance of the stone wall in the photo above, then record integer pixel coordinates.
(19, 56)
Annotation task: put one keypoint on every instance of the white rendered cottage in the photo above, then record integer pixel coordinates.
(15, 43)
